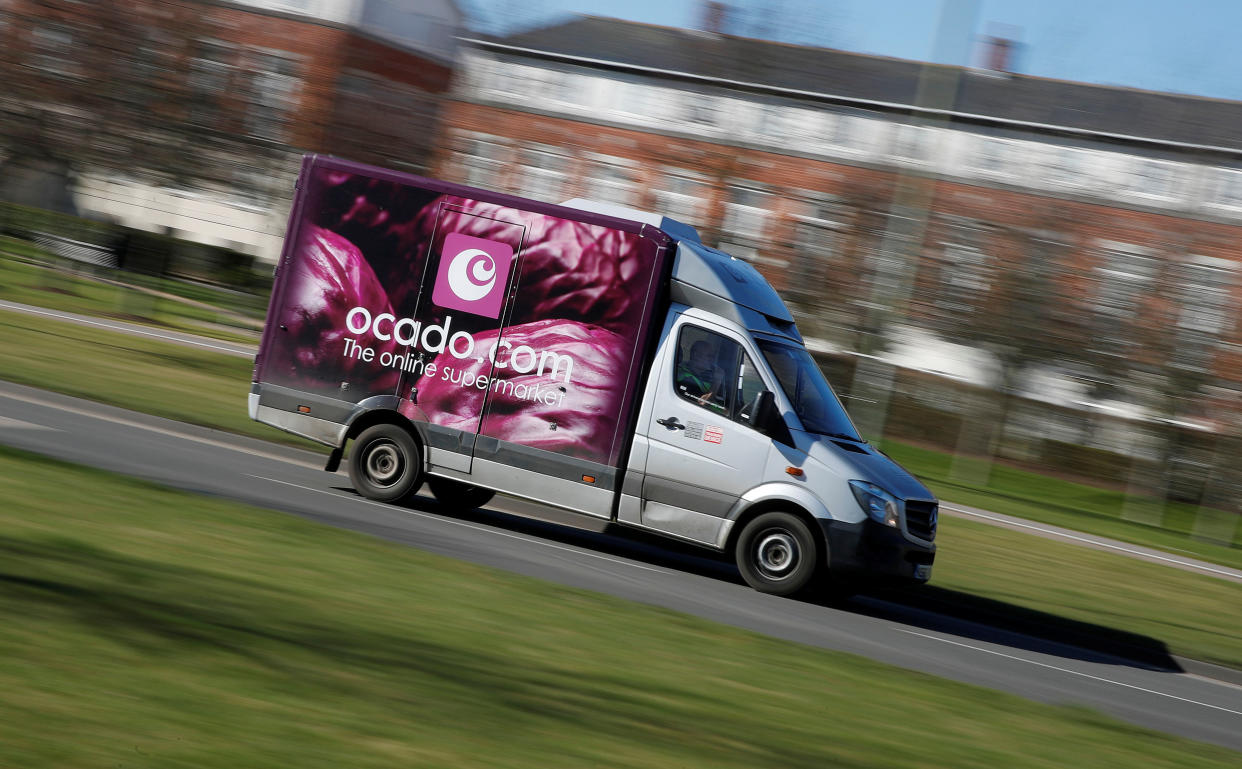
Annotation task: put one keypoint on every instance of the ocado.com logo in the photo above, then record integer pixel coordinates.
(473, 274)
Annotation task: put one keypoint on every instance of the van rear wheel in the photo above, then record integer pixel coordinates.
(777, 553)
(457, 495)
(385, 464)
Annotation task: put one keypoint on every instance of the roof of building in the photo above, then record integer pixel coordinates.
(1080, 107)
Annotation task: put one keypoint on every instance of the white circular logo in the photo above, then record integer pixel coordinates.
(471, 274)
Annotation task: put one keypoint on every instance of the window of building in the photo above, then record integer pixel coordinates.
(811, 127)
(1206, 310)
(1229, 187)
(1153, 178)
(1123, 277)
(274, 88)
(1063, 166)
(913, 143)
(682, 196)
(211, 76)
(746, 213)
(817, 244)
(964, 268)
(543, 172)
(480, 160)
(52, 49)
(992, 156)
(840, 131)
(631, 98)
(699, 109)
(611, 180)
(770, 122)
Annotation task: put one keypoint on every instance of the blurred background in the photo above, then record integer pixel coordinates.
(1011, 250)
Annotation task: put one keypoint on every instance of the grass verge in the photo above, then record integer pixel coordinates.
(199, 310)
(168, 380)
(1088, 597)
(163, 629)
(992, 570)
(1072, 505)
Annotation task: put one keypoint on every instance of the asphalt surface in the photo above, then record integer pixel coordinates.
(946, 508)
(587, 554)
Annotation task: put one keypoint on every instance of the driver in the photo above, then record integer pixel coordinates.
(699, 378)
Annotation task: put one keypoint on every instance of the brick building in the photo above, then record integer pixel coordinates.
(187, 115)
(867, 204)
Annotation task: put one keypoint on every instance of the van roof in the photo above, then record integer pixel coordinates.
(675, 229)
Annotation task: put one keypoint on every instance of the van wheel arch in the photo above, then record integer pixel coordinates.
(783, 506)
(399, 445)
(381, 416)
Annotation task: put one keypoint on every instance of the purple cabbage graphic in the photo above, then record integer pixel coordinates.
(581, 423)
(569, 270)
(330, 278)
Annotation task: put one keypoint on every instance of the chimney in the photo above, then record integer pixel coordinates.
(714, 17)
(1001, 48)
(999, 54)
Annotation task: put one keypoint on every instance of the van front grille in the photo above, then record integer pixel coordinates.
(921, 519)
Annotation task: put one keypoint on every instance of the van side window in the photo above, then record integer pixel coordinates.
(706, 369)
(749, 387)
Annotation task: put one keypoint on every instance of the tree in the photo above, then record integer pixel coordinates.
(1008, 291)
(833, 264)
(125, 86)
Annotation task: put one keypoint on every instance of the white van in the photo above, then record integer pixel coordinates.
(594, 358)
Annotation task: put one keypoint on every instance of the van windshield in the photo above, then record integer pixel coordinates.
(812, 397)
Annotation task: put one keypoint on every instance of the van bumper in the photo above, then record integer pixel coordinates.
(870, 550)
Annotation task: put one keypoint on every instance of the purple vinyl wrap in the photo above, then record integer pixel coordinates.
(542, 322)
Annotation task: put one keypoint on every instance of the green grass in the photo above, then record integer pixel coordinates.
(1072, 505)
(168, 380)
(73, 288)
(1094, 598)
(982, 568)
(150, 628)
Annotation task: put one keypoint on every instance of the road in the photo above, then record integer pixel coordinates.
(946, 508)
(584, 554)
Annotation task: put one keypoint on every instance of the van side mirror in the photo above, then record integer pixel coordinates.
(769, 421)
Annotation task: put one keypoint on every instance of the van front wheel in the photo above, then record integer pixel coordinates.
(777, 553)
(385, 464)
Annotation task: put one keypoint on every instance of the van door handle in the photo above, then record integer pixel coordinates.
(671, 423)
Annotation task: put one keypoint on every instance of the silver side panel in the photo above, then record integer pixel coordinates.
(630, 510)
(785, 492)
(321, 430)
(449, 460)
(682, 523)
(572, 495)
(253, 406)
(631, 513)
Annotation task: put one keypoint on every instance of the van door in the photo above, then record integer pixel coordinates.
(466, 286)
(703, 453)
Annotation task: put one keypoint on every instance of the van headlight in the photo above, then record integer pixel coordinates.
(882, 507)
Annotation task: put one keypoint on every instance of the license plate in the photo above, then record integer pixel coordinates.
(922, 572)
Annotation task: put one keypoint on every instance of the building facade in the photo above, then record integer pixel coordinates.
(187, 116)
(868, 205)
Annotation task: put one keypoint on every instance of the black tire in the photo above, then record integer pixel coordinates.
(777, 553)
(385, 464)
(457, 495)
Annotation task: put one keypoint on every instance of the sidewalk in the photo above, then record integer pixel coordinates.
(154, 332)
(1072, 537)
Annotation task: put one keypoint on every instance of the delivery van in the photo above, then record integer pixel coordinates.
(595, 358)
